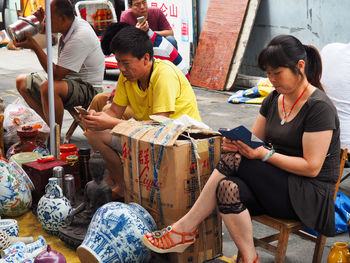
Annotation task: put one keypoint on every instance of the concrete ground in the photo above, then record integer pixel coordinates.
(215, 112)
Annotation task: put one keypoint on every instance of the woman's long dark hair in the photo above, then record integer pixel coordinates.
(286, 51)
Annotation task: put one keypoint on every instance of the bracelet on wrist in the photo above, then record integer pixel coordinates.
(268, 155)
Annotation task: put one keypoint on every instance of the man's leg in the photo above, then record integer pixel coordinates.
(22, 89)
(99, 101)
(100, 141)
(60, 94)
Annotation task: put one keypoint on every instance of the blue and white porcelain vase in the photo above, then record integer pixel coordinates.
(53, 207)
(17, 256)
(115, 233)
(15, 194)
(9, 226)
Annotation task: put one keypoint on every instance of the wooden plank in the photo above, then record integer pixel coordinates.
(217, 43)
(242, 43)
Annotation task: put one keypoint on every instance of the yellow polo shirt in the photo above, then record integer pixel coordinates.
(168, 91)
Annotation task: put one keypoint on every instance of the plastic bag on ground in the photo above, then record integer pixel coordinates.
(17, 114)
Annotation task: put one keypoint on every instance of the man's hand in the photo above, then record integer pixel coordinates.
(40, 14)
(99, 121)
(29, 42)
(143, 25)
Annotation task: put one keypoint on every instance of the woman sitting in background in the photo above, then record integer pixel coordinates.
(295, 179)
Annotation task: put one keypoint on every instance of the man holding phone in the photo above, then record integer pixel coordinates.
(149, 86)
(153, 18)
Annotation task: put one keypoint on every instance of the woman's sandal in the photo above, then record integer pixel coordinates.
(255, 260)
(163, 243)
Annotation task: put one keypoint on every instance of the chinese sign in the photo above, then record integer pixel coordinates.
(179, 15)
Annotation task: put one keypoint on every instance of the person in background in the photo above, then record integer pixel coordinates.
(153, 19)
(294, 179)
(149, 86)
(336, 82)
(162, 49)
(78, 74)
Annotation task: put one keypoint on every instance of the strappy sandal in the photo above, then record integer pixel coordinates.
(255, 260)
(163, 243)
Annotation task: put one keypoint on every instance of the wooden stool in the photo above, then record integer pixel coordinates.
(285, 227)
(76, 122)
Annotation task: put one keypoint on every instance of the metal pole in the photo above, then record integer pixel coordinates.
(50, 77)
(126, 4)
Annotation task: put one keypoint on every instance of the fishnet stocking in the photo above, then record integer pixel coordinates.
(228, 198)
(229, 163)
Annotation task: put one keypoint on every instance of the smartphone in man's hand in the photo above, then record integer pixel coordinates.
(81, 110)
(140, 19)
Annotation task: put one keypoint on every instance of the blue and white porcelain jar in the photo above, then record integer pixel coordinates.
(53, 207)
(115, 233)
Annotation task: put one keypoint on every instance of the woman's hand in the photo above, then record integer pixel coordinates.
(250, 153)
(228, 145)
(98, 121)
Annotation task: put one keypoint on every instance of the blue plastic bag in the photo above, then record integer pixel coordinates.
(342, 213)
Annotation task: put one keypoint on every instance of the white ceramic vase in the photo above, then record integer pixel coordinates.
(115, 233)
(53, 207)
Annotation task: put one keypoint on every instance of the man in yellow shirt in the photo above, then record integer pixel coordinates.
(150, 86)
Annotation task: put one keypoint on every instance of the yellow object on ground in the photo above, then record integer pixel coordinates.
(229, 260)
(254, 95)
(30, 226)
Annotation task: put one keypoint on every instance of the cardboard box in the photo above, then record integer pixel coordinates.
(161, 173)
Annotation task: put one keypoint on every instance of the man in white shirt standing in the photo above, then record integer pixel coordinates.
(78, 74)
(336, 82)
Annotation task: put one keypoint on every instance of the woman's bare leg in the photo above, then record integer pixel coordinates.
(202, 208)
(238, 225)
(241, 231)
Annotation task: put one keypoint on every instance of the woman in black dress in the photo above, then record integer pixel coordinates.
(294, 179)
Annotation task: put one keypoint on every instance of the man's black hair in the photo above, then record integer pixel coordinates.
(130, 2)
(65, 8)
(107, 36)
(134, 41)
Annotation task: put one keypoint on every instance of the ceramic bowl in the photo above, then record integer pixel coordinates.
(25, 157)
